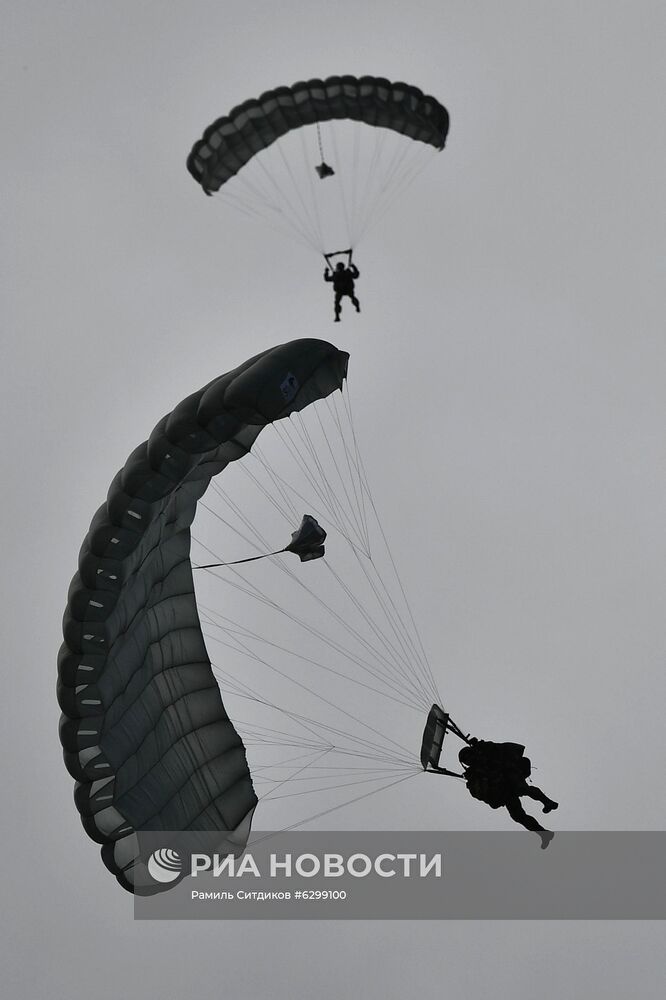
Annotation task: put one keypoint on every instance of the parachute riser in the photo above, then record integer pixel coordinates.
(443, 770)
(457, 731)
(438, 724)
(338, 253)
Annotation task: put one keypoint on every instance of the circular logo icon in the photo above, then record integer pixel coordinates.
(165, 865)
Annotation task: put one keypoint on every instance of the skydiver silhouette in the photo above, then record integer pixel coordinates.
(343, 279)
(495, 773)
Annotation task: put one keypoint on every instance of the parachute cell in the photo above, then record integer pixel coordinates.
(144, 730)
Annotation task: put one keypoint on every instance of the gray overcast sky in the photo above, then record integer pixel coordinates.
(508, 373)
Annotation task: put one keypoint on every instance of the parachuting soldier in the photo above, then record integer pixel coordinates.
(495, 773)
(343, 279)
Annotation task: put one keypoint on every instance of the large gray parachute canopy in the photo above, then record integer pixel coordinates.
(231, 141)
(144, 730)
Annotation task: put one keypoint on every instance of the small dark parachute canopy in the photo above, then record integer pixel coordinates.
(231, 141)
(308, 541)
(144, 730)
(433, 737)
(324, 170)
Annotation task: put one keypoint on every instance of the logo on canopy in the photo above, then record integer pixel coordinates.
(289, 387)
